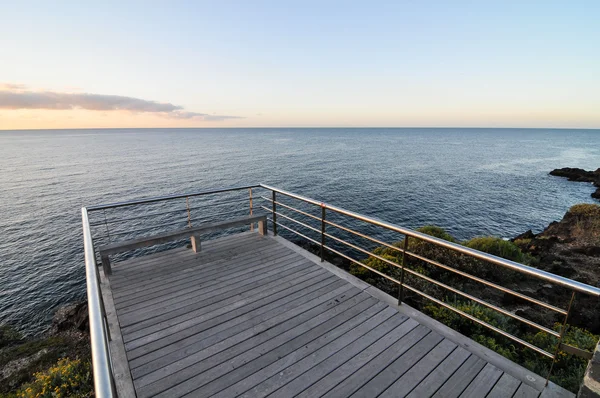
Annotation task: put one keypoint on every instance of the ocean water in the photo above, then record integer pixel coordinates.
(470, 181)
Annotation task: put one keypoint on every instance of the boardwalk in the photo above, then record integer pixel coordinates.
(254, 316)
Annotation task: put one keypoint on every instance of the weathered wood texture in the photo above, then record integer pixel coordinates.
(192, 233)
(249, 316)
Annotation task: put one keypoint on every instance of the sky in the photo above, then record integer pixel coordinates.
(106, 64)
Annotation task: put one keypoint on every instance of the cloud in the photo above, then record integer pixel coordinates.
(16, 96)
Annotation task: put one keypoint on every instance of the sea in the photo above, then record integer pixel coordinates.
(470, 181)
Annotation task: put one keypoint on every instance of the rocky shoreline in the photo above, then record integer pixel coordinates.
(580, 175)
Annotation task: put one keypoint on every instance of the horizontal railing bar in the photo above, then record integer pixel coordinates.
(471, 317)
(488, 283)
(363, 236)
(540, 274)
(220, 204)
(292, 220)
(479, 321)
(173, 223)
(465, 274)
(447, 287)
(293, 209)
(112, 221)
(168, 197)
(133, 231)
(294, 231)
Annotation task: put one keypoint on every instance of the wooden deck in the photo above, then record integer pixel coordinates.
(256, 316)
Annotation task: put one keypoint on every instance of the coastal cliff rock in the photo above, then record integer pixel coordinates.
(570, 248)
(580, 175)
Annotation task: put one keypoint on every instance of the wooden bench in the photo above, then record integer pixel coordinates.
(192, 233)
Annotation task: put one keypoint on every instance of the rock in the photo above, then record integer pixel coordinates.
(525, 235)
(570, 248)
(580, 175)
(71, 316)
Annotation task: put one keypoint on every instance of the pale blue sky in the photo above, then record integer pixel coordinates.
(310, 63)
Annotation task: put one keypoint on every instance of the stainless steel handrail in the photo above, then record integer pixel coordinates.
(168, 197)
(103, 375)
(574, 286)
(547, 276)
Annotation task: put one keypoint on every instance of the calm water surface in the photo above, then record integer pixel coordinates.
(470, 181)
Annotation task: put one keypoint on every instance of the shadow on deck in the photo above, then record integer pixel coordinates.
(255, 316)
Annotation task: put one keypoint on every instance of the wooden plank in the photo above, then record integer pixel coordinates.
(297, 376)
(127, 277)
(177, 299)
(264, 354)
(439, 375)
(207, 271)
(419, 371)
(401, 365)
(318, 383)
(195, 281)
(275, 361)
(459, 381)
(483, 382)
(210, 245)
(183, 336)
(189, 379)
(377, 364)
(145, 336)
(138, 270)
(263, 331)
(177, 305)
(223, 327)
(251, 241)
(135, 266)
(120, 370)
(526, 391)
(505, 387)
(161, 321)
(240, 318)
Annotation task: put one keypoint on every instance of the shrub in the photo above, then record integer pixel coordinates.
(497, 247)
(585, 209)
(68, 378)
(437, 232)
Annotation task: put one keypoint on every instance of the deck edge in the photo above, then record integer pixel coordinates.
(119, 362)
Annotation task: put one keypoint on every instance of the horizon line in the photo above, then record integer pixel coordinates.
(312, 127)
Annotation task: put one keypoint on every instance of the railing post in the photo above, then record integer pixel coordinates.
(563, 330)
(189, 213)
(322, 232)
(106, 225)
(274, 214)
(251, 224)
(401, 288)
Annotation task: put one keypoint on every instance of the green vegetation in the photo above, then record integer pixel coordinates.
(585, 209)
(68, 378)
(568, 370)
(497, 247)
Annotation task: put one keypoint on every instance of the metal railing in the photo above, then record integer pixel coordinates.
(324, 230)
(326, 235)
(104, 382)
